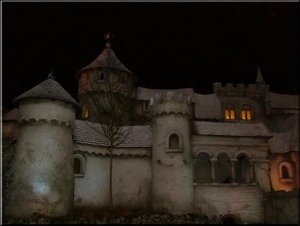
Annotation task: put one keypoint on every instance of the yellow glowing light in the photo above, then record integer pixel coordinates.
(85, 112)
(227, 114)
(232, 114)
(249, 116)
(243, 115)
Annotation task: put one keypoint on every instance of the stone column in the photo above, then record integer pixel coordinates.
(252, 172)
(213, 171)
(232, 163)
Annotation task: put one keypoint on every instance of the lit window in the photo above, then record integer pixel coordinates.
(285, 171)
(229, 112)
(85, 112)
(246, 113)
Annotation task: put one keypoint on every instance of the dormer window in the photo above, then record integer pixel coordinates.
(229, 112)
(246, 113)
(100, 77)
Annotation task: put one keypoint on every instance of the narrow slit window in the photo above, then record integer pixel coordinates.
(85, 112)
(77, 166)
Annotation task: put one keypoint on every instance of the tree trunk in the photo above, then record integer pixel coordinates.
(110, 179)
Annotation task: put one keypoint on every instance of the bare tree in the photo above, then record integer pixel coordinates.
(110, 103)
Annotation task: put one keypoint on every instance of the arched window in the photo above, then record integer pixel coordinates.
(79, 165)
(223, 168)
(246, 113)
(202, 169)
(85, 112)
(285, 171)
(174, 141)
(242, 169)
(229, 112)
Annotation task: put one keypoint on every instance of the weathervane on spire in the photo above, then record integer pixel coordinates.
(51, 75)
(107, 37)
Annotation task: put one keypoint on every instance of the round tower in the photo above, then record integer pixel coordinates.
(105, 74)
(43, 180)
(172, 179)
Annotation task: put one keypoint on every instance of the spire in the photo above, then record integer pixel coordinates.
(107, 37)
(259, 77)
(51, 75)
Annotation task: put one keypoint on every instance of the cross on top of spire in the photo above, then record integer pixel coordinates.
(107, 37)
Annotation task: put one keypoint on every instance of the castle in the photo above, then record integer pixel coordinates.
(186, 152)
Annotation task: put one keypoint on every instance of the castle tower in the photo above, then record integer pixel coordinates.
(172, 179)
(104, 74)
(43, 180)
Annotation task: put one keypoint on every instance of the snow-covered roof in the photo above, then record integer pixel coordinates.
(146, 94)
(238, 129)
(48, 89)
(85, 132)
(284, 101)
(107, 59)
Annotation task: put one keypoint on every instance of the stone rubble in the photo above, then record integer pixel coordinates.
(145, 218)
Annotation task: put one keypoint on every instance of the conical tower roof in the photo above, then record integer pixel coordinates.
(259, 77)
(48, 89)
(107, 59)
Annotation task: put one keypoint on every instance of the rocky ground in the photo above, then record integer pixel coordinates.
(142, 218)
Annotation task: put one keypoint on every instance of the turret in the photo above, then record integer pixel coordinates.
(43, 180)
(172, 179)
(104, 74)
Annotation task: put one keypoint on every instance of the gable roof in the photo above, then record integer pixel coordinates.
(48, 89)
(284, 101)
(146, 94)
(85, 132)
(207, 106)
(107, 59)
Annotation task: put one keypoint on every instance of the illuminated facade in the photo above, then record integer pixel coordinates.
(187, 152)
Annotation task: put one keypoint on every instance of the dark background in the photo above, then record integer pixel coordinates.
(166, 45)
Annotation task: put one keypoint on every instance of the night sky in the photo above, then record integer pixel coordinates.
(166, 45)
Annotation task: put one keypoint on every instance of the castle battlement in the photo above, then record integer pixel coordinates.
(240, 89)
(170, 102)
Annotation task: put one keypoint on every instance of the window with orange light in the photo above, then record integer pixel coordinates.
(85, 112)
(229, 112)
(246, 113)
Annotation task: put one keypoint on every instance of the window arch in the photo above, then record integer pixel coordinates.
(285, 171)
(242, 169)
(229, 112)
(202, 168)
(223, 169)
(79, 165)
(246, 113)
(174, 141)
(85, 112)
